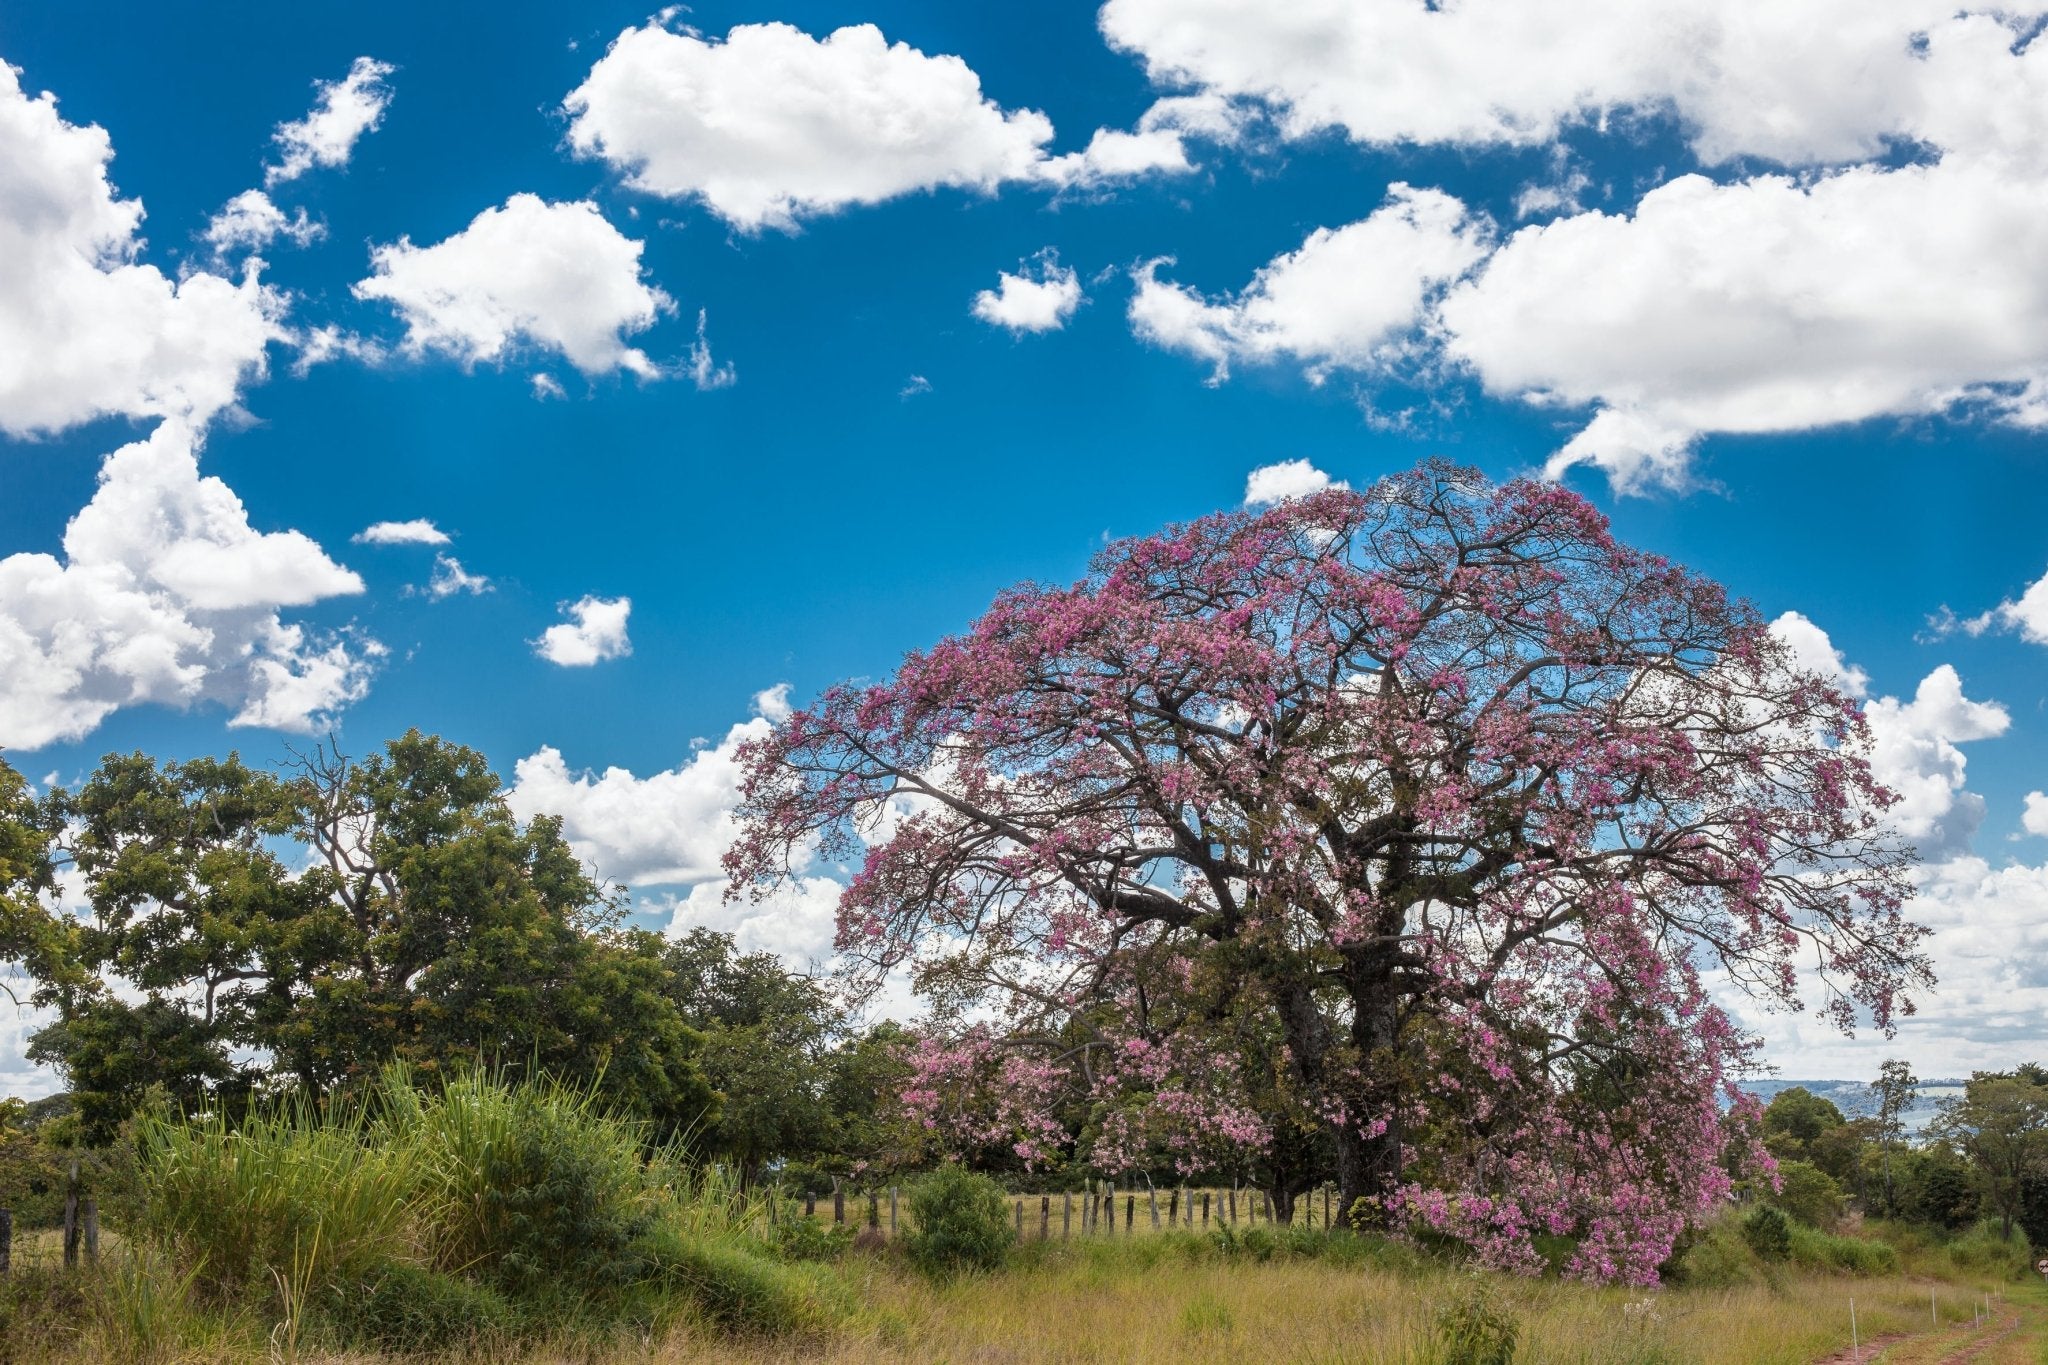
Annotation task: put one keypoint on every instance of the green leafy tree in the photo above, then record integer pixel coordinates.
(1796, 1120)
(2000, 1123)
(769, 1037)
(1808, 1194)
(1896, 1088)
(1937, 1188)
(431, 926)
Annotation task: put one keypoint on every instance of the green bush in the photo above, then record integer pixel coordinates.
(959, 1222)
(1475, 1329)
(534, 1185)
(798, 1238)
(1718, 1257)
(1808, 1194)
(408, 1309)
(1768, 1233)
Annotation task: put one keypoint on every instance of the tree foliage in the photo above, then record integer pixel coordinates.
(304, 928)
(1386, 833)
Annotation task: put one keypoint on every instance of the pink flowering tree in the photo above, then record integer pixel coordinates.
(1386, 836)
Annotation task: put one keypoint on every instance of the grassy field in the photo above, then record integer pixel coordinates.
(1175, 1299)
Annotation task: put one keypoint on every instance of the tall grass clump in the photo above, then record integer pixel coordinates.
(454, 1217)
(287, 1199)
(535, 1187)
(1817, 1250)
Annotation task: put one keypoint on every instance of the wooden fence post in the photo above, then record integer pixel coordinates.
(838, 1201)
(1327, 1224)
(810, 1206)
(892, 1212)
(1130, 1212)
(1205, 1210)
(1152, 1198)
(91, 1214)
(1066, 1215)
(1233, 1203)
(1173, 1207)
(1267, 1197)
(874, 1209)
(1044, 1217)
(6, 1240)
(1020, 1220)
(71, 1229)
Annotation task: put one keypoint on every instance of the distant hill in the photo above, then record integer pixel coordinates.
(1855, 1100)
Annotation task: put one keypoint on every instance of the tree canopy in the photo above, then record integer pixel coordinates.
(1386, 833)
(247, 929)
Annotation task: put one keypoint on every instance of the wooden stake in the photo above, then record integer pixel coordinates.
(1066, 1215)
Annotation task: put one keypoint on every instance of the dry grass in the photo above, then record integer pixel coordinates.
(1093, 1307)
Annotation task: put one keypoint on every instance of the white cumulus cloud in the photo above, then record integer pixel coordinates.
(419, 531)
(86, 329)
(594, 632)
(771, 125)
(1285, 481)
(671, 828)
(250, 222)
(2035, 818)
(556, 277)
(1347, 298)
(1817, 82)
(166, 594)
(344, 111)
(1040, 297)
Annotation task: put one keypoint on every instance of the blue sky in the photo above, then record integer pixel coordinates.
(1767, 283)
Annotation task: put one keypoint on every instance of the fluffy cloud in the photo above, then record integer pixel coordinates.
(1040, 297)
(1913, 743)
(772, 125)
(1821, 82)
(343, 112)
(595, 631)
(1348, 297)
(553, 276)
(1856, 288)
(1989, 948)
(2035, 819)
(1813, 651)
(1284, 481)
(1770, 305)
(86, 330)
(1914, 753)
(416, 532)
(166, 594)
(671, 829)
(250, 222)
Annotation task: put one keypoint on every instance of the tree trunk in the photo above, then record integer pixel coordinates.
(1369, 1165)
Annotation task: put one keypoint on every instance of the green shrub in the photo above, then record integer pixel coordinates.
(1718, 1257)
(1808, 1194)
(1768, 1233)
(1475, 1329)
(408, 1309)
(959, 1222)
(535, 1186)
(798, 1238)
